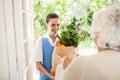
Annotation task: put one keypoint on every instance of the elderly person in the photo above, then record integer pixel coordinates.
(106, 64)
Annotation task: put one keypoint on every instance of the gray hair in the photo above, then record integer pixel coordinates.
(106, 22)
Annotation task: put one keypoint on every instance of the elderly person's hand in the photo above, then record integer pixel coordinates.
(59, 60)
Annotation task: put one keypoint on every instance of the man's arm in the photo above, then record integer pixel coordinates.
(43, 70)
(38, 59)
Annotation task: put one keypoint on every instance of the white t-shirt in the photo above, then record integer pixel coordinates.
(38, 52)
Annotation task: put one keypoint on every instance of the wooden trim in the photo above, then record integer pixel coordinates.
(28, 37)
(28, 13)
(10, 39)
(4, 70)
(19, 39)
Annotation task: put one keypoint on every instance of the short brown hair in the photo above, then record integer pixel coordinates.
(50, 16)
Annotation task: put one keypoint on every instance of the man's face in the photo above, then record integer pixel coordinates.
(53, 26)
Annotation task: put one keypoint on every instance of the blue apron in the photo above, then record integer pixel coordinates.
(47, 50)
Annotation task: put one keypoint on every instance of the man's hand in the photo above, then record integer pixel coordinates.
(52, 77)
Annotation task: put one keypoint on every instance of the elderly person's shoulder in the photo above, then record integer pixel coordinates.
(99, 66)
(99, 57)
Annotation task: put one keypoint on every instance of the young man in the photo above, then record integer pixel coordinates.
(45, 46)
